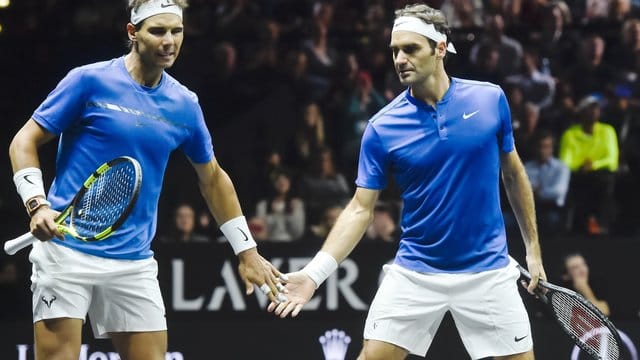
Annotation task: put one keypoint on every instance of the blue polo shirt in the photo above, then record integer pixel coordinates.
(101, 113)
(446, 162)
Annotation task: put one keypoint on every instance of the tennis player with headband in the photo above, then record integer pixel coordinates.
(445, 142)
(125, 106)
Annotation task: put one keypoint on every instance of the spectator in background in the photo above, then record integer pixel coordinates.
(323, 186)
(557, 42)
(321, 56)
(205, 223)
(561, 114)
(623, 113)
(384, 227)
(549, 178)
(283, 213)
(537, 87)
(320, 230)
(463, 13)
(591, 73)
(364, 102)
(510, 49)
(184, 223)
(272, 166)
(487, 68)
(309, 137)
(524, 119)
(626, 54)
(576, 276)
(590, 150)
(295, 72)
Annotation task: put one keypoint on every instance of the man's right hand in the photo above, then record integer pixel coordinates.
(43, 225)
(300, 289)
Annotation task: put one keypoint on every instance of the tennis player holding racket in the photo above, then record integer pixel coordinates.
(445, 141)
(127, 106)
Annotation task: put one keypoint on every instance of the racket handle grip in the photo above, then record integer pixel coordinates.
(13, 246)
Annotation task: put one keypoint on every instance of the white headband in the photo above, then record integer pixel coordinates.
(154, 7)
(414, 24)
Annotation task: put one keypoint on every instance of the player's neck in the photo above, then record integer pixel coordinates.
(141, 73)
(433, 88)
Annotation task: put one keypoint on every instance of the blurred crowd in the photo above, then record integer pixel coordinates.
(294, 82)
(315, 71)
(287, 87)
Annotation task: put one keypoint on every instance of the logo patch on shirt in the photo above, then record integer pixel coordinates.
(466, 116)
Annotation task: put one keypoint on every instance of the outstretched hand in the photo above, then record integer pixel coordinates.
(256, 270)
(299, 288)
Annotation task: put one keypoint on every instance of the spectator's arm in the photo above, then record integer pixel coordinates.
(585, 290)
(568, 153)
(610, 160)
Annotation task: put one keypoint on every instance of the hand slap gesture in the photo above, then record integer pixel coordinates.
(254, 269)
(299, 288)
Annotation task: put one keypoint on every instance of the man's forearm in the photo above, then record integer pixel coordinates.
(348, 231)
(220, 196)
(522, 202)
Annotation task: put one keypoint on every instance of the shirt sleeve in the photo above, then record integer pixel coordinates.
(610, 150)
(199, 146)
(505, 137)
(64, 105)
(373, 161)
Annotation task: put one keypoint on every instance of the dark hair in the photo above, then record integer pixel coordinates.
(430, 16)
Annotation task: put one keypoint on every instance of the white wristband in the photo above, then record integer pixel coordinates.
(320, 267)
(29, 183)
(237, 232)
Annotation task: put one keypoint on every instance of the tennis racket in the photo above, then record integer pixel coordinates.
(587, 326)
(99, 208)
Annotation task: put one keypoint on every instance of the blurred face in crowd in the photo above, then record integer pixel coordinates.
(185, 219)
(312, 115)
(594, 48)
(495, 25)
(545, 148)
(158, 41)
(282, 184)
(576, 267)
(591, 114)
(413, 57)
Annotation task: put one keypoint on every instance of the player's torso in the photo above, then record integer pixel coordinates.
(121, 117)
(428, 144)
(446, 161)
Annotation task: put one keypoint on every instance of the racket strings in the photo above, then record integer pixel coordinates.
(105, 200)
(583, 323)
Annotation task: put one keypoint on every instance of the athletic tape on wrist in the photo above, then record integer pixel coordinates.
(320, 267)
(29, 183)
(237, 232)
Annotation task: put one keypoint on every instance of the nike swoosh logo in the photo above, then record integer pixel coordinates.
(164, 5)
(26, 178)
(246, 238)
(466, 116)
(518, 339)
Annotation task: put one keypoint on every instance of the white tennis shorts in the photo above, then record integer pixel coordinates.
(118, 295)
(486, 307)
